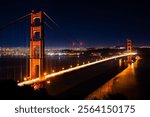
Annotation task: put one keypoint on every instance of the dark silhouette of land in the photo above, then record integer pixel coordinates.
(10, 90)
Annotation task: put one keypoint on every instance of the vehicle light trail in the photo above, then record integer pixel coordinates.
(29, 82)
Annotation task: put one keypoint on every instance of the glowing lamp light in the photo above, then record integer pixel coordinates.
(25, 78)
(45, 74)
(48, 82)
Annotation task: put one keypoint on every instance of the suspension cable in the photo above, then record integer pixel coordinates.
(21, 18)
(51, 19)
(49, 27)
(66, 34)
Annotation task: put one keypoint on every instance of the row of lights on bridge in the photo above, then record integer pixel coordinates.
(53, 71)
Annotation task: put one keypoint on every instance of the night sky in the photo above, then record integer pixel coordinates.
(95, 23)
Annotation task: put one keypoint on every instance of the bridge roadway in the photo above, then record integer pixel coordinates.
(29, 82)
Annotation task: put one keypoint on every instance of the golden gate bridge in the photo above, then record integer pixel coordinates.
(37, 51)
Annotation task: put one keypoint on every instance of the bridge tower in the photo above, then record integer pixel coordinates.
(129, 49)
(129, 46)
(36, 46)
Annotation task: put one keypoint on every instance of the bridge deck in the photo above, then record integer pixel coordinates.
(29, 82)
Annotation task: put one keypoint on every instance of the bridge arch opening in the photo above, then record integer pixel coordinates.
(37, 21)
(37, 36)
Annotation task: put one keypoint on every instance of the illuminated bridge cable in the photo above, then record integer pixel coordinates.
(51, 19)
(12, 22)
(66, 34)
(49, 27)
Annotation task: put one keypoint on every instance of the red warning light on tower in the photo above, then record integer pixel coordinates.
(81, 43)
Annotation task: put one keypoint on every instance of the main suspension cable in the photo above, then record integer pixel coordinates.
(51, 19)
(49, 27)
(21, 18)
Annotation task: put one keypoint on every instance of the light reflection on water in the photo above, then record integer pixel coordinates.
(123, 84)
(120, 62)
